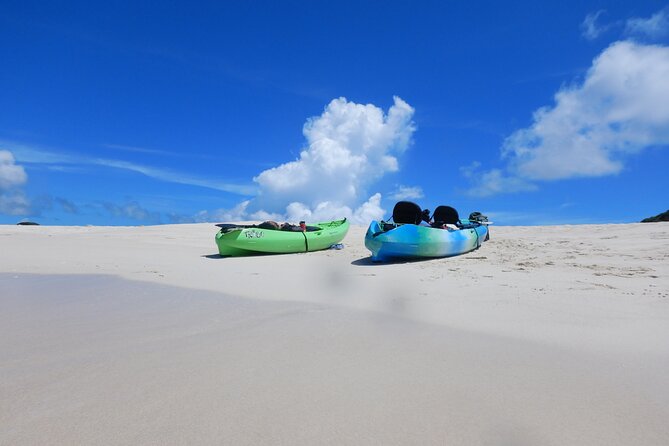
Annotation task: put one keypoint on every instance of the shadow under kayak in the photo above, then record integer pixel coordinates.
(243, 240)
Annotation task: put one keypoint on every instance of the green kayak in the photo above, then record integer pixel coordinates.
(242, 240)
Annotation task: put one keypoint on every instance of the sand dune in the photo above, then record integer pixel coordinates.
(143, 335)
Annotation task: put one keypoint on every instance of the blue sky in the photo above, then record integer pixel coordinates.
(125, 113)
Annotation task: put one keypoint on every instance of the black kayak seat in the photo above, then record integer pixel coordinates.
(407, 212)
(446, 215)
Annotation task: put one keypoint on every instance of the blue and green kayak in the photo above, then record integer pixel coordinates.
(406, 241)
(414, 234)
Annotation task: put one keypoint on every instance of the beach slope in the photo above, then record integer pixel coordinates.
(144, 335)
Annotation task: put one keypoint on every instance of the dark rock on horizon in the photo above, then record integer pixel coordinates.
(27, 223)
(664, 216)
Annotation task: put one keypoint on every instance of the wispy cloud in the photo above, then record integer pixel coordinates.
(175, 176)
(655, 26)
(407, 193)
(494, 182)
(157, 152)
(64, 161)
(135, 149)
(590, 28)
(37, 155)
(643, 28)
(67, 205)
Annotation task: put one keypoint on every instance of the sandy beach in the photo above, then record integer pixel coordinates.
(555, 335)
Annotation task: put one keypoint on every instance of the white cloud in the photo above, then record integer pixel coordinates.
(349, 147)
(407, 193)
(590, 29)
(621, 108)
(655, 26)
(12, 176)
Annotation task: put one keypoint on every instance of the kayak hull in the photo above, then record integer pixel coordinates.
(244, 241)
(412, 241)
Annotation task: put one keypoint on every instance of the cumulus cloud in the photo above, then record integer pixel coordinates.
(326, 210)
(656, 26)
(12, 199)
(621, 108)
(11, 174)
(590, 29)
(349, 147)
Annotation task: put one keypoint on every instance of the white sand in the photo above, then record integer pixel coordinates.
(142, 335)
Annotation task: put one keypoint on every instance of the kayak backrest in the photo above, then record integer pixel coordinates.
(407, 212)
(445, 215)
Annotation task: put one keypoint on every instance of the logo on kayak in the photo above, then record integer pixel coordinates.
(254, 234)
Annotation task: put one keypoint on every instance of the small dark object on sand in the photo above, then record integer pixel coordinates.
(27, 223)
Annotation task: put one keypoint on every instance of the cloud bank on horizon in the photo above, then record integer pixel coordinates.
(619, 109)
